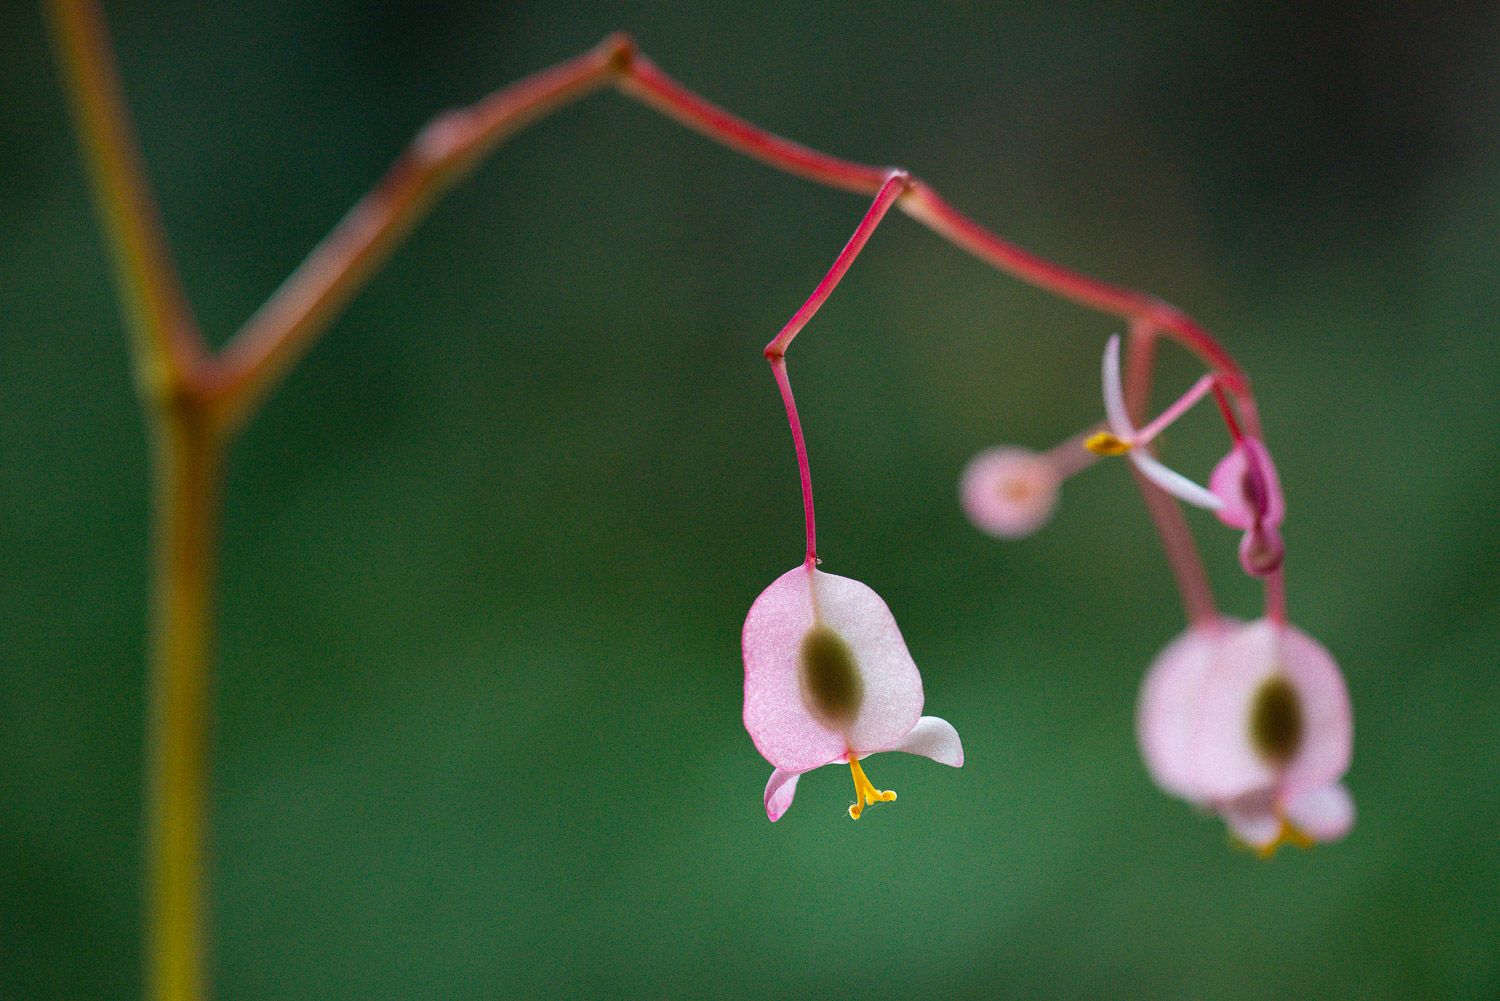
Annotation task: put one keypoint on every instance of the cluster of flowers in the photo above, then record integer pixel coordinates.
(1248, 720)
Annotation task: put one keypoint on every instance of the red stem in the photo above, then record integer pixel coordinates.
(1176, 538)
(892, 189)
(804, 470)
(646, 83)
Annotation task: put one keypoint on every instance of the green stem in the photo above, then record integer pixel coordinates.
(188, 476)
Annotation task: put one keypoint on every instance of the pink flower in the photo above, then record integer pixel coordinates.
(828, 679)
(1009, 491)
(1253, 722)
(1245, 481)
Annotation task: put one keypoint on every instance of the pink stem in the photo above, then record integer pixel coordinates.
(1176, 539)
(645, 82)
(925, 205)
(804, 470)
(1228, 413)
(1276, 596)
(892, 189)
(1071, 457)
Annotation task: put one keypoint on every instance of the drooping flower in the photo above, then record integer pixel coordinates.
(1245, 481)
(1253, 722)
(1009, 491)
(828, 679)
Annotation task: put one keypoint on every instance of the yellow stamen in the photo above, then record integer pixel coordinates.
(1289, 834)
(1105, 443)
(865, 793)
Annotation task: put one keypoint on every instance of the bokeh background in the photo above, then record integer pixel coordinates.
(487, 553)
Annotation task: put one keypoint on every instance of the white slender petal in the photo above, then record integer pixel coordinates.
(1174, 483)
(936, 739)
(779, 792)
(1114, 392)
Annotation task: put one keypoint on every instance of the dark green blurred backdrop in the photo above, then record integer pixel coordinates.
(487, 553)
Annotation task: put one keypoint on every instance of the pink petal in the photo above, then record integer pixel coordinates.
(1252, 820)
(1247, 483)
(1230, 764)
(1328, 724)
(936, 739)
(786, 727)
(779, 792)
(1008, 491)
(1168, 706)
(1324, 814)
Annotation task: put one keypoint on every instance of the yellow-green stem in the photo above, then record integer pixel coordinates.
(188, 468)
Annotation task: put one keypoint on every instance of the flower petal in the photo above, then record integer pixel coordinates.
(1173, 482)
(936, 739)
(1328, 725)
(1114, 392)
(1165, 715)
(1008, 491)
(1229, 763)
(1253, 821)
(1313, 715)
(1324, 814)
(1247, 483)
(786, 729)
(779, 792)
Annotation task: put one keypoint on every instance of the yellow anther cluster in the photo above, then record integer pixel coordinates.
(865, 793)
(1105, 443)
(1289, 834)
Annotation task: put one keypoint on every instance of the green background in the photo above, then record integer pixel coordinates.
(487, 553)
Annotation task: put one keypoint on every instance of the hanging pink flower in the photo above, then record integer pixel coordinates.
(1253, 722)
(828, 679)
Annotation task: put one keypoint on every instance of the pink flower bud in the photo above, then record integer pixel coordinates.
(1245, 481)
(1009, 491)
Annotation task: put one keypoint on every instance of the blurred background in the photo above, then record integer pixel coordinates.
(487, 553)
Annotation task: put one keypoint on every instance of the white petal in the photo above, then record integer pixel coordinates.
(1324, 814)
(779, 793)
(1231, 764)
(936, 739)
(1174, 483)
(1114, 391)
